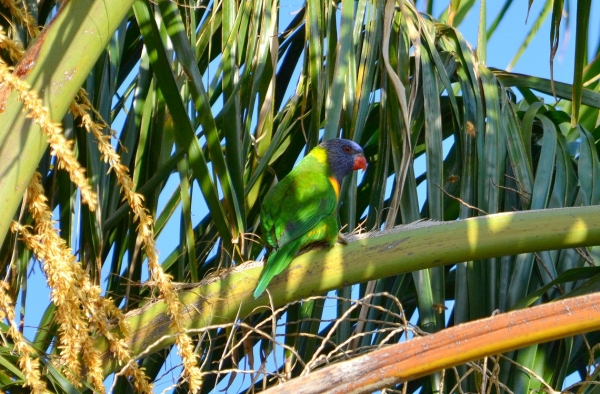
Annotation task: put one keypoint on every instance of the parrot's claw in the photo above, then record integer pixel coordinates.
(342, 239)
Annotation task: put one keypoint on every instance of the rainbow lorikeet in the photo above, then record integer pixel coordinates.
(301, 210)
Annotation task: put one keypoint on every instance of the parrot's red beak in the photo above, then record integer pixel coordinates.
(360, 163)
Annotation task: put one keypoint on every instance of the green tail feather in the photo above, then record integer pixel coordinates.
(278, 261)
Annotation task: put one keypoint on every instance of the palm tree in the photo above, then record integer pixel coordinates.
(212, 103)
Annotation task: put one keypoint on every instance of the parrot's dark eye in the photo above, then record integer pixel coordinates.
(347, 149)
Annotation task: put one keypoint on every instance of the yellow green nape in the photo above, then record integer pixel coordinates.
(320, 154)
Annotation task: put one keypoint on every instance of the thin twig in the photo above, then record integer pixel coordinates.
(461, 201)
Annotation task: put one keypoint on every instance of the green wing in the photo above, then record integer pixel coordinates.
(298, 211)
(280, 259)
(295, 205)
(277, 261)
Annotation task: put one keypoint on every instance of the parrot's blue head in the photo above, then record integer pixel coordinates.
(343, 157)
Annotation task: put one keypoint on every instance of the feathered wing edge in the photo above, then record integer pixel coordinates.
(273, 267)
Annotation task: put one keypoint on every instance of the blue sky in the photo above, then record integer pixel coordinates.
(511, 33)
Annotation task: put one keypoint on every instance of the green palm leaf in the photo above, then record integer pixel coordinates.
(213, 102)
